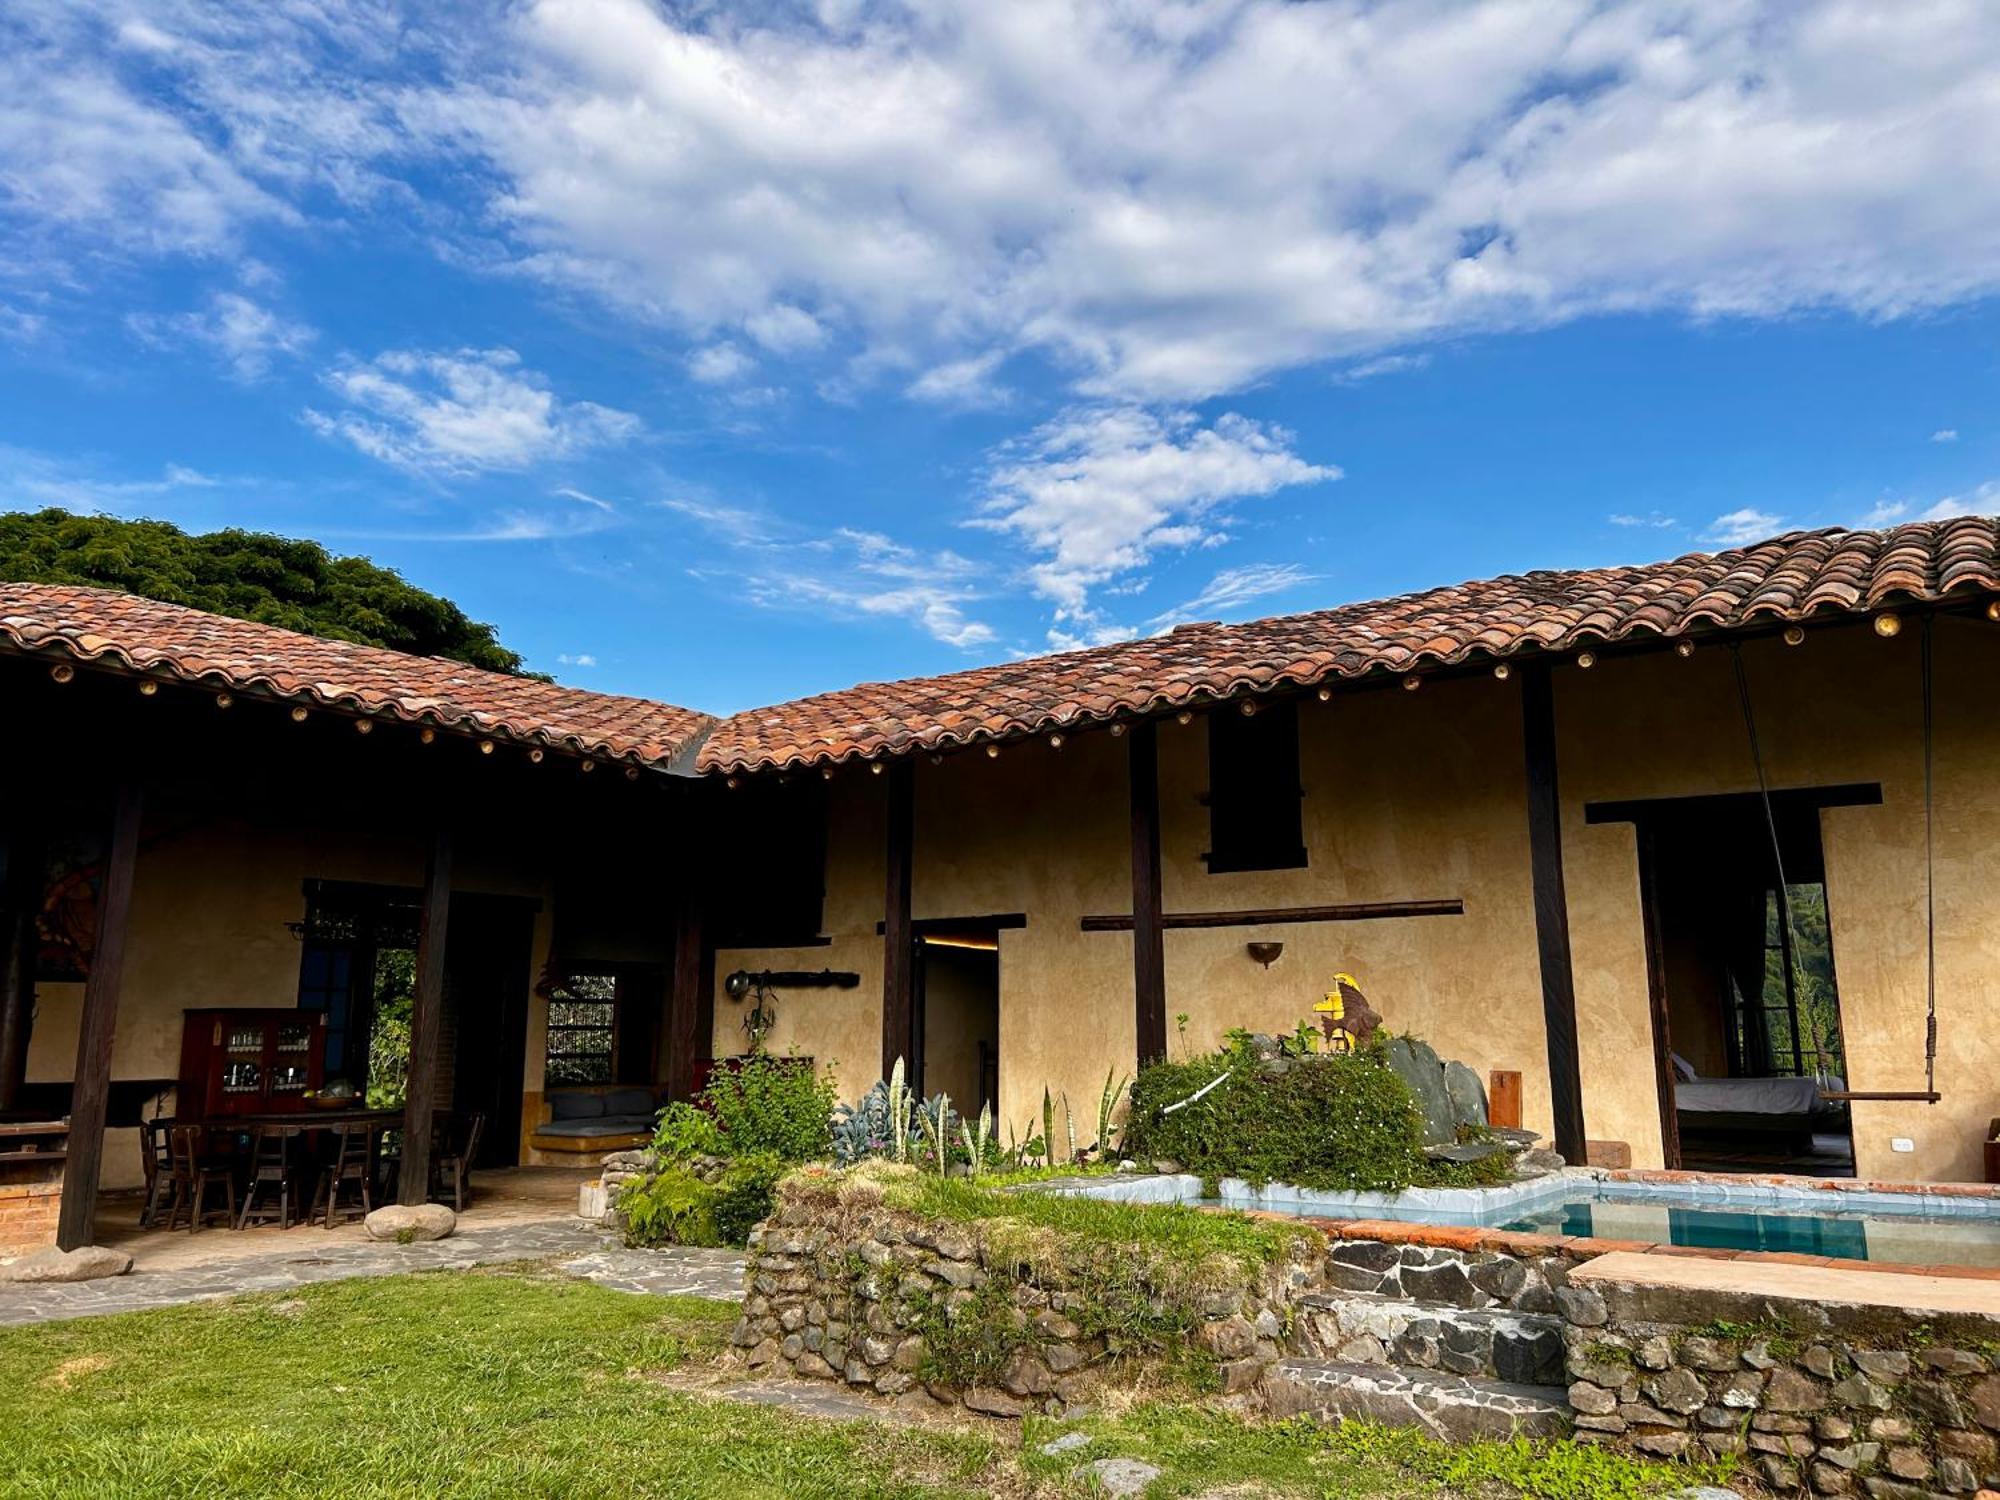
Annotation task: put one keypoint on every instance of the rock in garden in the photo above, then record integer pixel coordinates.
(86, 1263)
(1417, 1065)
(404, 1223)
(1069, 1442)
(1467, 1094)
(1121, 1476)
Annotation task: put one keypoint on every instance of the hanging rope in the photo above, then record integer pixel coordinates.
(1930, 885)
(1788, 932)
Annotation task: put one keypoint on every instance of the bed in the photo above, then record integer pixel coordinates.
(1790, 1108)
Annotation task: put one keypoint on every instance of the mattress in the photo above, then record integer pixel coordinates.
(1747, 1096)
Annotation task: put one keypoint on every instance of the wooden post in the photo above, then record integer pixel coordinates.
(1656, 994)
(899, 945)
(413, 1184)
(1538, 718)
(691, 1002)
(77, 1222)
(1149, 950)
(19, 904)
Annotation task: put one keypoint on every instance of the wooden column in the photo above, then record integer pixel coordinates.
(1538, 717)
(691, 996)
(98, 1027)
(1149, 949)
(899, 949)
(19, 902)
(426, 1021)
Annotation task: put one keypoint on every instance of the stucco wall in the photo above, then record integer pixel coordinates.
(1419, 795)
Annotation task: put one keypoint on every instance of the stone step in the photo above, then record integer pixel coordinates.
(1485, 1343)
(1451, 1407)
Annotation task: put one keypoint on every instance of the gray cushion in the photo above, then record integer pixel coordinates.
(575, 1105)
(629, 1102)
(627, 1124)
(598, 1126)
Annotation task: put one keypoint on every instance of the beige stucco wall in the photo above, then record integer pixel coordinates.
(209, 908)
(1419, 795)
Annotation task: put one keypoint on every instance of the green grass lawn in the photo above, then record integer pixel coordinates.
(519, 1383)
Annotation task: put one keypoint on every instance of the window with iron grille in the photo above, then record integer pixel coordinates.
(583, 1031)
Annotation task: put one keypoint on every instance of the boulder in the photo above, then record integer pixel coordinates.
(86, 1263)
(1418, 1066)
(1467, 1094)
(424, 1221)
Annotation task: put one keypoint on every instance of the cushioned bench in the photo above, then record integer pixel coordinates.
(596, 1118)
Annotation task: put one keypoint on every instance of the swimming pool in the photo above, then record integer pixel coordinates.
(1913, 1228)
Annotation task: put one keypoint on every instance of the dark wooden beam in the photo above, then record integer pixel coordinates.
(899, 948)
(1538, 719)
(77, 1221)
(20, 902)
(413, 1183)
(1664, 1083)
(1149, 949)
(1278, 916)
(691, 999)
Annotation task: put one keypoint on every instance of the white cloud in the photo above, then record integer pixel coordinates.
(717, 364)
(30, 477)
(1169, 200)
(1945, 435)
(961, 382)
(1382, 364)
(246, 335)
(1742, 526)
(1980, 500)
(461, 411)
(1098, 491)
(1652, 518)
(1886, 513)
(576, 659)
(847, 573)
(1232, 588)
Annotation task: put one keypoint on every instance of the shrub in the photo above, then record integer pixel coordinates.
(1336, 1121)
(685, 1132)
(743, 1197)
(672, 1207)
(772, 1105)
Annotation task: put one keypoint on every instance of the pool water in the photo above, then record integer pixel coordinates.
(1908, 1239)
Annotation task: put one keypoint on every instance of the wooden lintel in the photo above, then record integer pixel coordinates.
(1149, 954)
(426, 1022)
(89, 1100)
(1278, 916)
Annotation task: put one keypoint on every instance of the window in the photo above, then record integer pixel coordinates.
(767, 880)
(583, 1030)
(326, 983)
(1254, 814)
(1792, 1030)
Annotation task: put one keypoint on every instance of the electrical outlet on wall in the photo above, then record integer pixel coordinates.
(1902, 1143)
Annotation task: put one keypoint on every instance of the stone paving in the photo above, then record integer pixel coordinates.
(594, 1256)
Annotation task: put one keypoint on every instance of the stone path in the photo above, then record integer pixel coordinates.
(675, 1272)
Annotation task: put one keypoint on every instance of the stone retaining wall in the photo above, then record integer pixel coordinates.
(1838, 1400)
(835, 1294)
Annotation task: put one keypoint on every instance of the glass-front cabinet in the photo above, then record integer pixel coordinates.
(249, 1062)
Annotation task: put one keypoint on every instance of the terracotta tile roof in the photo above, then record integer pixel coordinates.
(154, 639)
(1786, 578)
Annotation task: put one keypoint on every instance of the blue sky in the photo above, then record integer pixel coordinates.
(724, 354)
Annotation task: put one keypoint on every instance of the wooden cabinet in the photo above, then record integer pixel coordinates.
(245, 1062)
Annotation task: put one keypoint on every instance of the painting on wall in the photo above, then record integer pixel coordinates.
(67, 923)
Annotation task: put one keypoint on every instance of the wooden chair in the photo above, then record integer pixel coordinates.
(155, 1152)
(352, 1165)
(451, 1162)
(271, 1166)
(193, 1174)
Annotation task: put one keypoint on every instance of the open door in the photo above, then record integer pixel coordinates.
(956, 1021)
(1744, 995)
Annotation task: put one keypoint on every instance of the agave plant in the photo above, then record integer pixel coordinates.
(1069, 1126)
(1048, 1127)
(935, 1125)
(900, 1104)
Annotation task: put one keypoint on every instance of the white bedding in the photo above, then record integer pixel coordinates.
(1747, 1096)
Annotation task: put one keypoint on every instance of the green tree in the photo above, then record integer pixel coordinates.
(251, 575)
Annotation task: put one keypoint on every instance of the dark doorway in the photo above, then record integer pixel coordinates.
(1744, 994)
(487, 964)
(957, 1015)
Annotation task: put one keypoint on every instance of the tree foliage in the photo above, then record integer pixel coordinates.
(250, 575)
